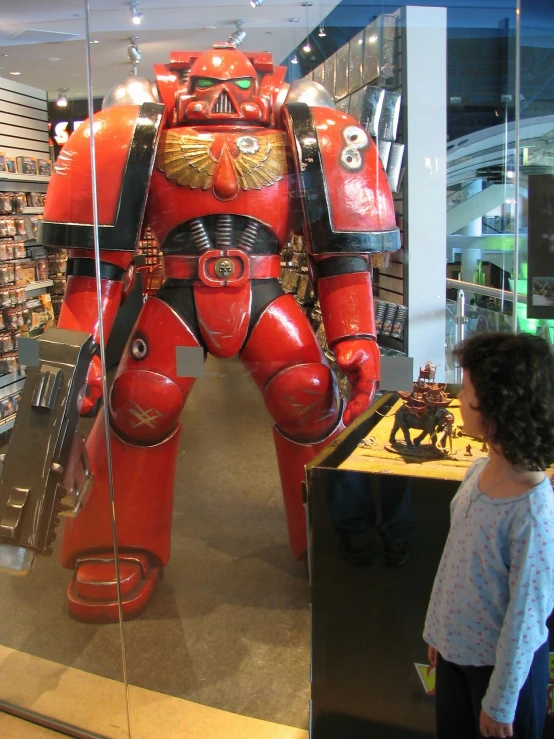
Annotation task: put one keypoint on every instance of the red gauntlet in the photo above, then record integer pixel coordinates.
(347, 307)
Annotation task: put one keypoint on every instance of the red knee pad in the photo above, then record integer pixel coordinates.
(145, 406)
(304, 401)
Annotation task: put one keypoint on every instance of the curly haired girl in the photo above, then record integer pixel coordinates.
(494, 590)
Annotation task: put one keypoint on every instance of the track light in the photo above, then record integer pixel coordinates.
(256, 3)
(137, 18)
(133, 51)
(294, 57)
(307, 47)
(61, 102)
(238, 36)
(321, 32)
(134, 54)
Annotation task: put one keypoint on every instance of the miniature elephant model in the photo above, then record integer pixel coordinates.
(429, 422)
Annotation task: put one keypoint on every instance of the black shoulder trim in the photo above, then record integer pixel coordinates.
(324, 239)
(124, 234)
(87, 268)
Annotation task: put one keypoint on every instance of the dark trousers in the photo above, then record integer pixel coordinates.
(460, 690)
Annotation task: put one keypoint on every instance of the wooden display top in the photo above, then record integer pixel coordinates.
(373, 454)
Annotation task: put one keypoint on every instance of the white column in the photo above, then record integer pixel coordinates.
(475, 228)
(424, 88)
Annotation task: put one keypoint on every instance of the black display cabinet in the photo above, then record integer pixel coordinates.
(370, 674)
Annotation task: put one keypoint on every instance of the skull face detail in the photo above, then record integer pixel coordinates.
(224, 268)
(223, 87)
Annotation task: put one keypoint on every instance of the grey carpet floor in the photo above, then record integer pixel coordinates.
(229, 624)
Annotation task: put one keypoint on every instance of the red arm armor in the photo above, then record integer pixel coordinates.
(344, 224)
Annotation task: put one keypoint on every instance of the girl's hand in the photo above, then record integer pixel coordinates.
(489, 727)
(432, 656)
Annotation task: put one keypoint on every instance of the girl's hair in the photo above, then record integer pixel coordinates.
(513, 377)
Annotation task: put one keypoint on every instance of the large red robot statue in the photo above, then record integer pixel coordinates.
(223, 170)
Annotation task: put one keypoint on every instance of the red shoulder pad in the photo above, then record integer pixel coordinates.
(125, 139)
(358, 191)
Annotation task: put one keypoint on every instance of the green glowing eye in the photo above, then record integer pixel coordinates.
(203, 84)
(244, 84)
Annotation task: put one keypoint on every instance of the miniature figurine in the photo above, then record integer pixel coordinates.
(467, 452)
(224, 169)
(445, 426)
(424, 408)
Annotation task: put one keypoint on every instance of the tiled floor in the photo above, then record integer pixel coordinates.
(223, 649)
(229, 625)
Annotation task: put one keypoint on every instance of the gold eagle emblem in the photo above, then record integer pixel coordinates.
(194, 160)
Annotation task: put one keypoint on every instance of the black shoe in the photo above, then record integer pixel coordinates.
(357, 550)
(396, 552)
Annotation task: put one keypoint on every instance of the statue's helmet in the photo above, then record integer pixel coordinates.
(222, 87)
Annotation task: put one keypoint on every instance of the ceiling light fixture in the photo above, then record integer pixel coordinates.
(15, 74)
(238, 36)
(134, 54)
(256, 3)
(321, 32)
(307, 47)
(294, 57)
(137, 18)
(61, 102)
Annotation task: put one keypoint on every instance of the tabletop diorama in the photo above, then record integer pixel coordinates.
(421, 434)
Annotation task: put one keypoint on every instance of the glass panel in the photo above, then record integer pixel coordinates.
(53, 661)
(536, 178)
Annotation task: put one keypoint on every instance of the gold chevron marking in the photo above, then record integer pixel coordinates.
(189, 161)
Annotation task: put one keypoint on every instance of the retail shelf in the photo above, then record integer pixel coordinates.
(4, 177)
(7, 423)
(32, 211)
(37, 288)
(11, 378)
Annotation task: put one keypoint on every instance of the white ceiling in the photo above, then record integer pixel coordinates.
(32, 39)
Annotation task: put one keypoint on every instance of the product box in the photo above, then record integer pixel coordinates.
(330, 75)
(319, 74)
(26, 272)
(3, 166)
(371, 109)
(387, 33)
(399, 320)
(27, 165)
(44, 167)
(390, 115)
(388, 323)
(384, 152)
(341, 72)
(11, 165)
(355, 62)
(371, 52)
(394, 166)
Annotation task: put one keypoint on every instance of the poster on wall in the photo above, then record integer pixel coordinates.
(540, 273)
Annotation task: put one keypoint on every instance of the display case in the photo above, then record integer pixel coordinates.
(370, 672)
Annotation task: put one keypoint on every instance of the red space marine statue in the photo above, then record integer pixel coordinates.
(223, 170)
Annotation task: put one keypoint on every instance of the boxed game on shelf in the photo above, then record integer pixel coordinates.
(57, 264)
